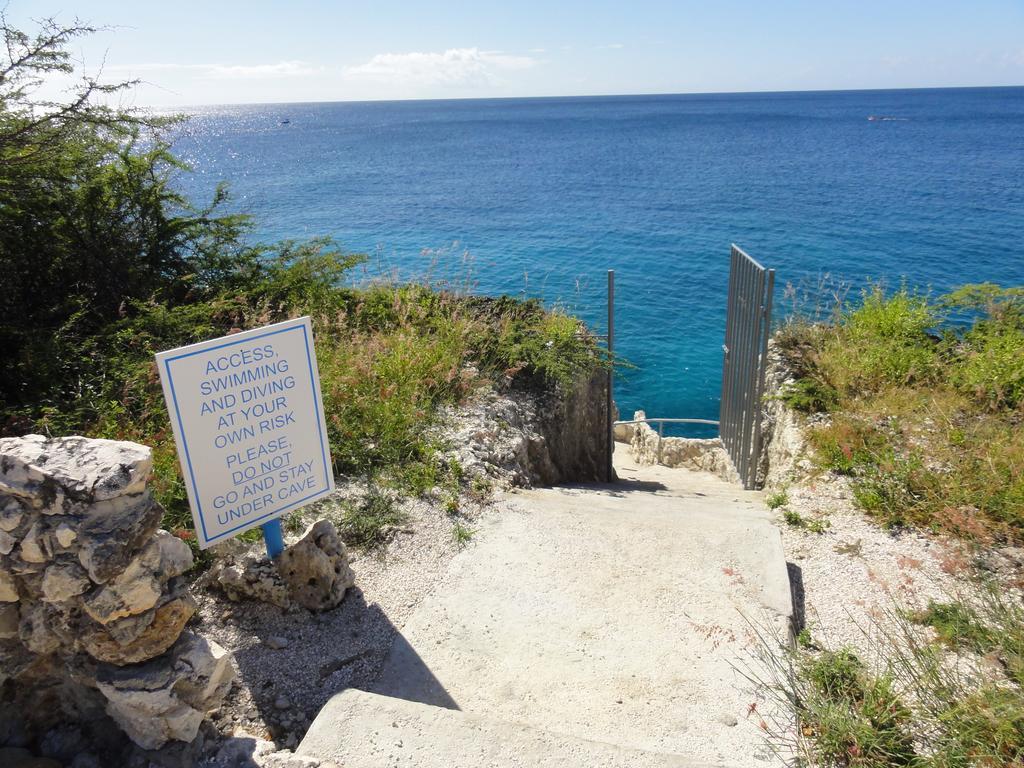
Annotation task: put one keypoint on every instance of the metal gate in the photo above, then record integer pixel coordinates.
(747, 328)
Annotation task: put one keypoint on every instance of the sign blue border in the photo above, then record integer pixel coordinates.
(184, 439)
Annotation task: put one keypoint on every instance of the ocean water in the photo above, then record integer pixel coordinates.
(540, 197)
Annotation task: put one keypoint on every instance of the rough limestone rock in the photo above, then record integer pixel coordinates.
(34, 545)
(8, 588)
(704, 455)
(65, 535)
(113, 533)
(251, 578)
(140, 585)
(7, 543)
(316, 568)
(72, 469)
(784, 447)
(92, 599)
(166, 699)
(63, 581)
(522, 438)
(644, 442)
(11, 514)
(10, 618)
(163, 627)
(42, 630)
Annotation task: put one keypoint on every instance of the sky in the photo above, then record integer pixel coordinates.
(221, 51)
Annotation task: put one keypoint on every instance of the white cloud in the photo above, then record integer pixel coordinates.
(281, 69)
(613, 46)
(456, 66)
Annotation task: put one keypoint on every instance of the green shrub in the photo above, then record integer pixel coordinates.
(987, 361)
(836, 674)
(817, 525)
(903, 317)
(847, 445)
(462, 534)
(991, 366)
(925, 409)
(883, 342)
(793, 518)
(552, 348)
(809, 395)
(992, 625)
(1002, 305)
(389, 356)
(804, 639)
(891, 488)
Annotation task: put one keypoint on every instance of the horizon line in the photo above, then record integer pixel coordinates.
(649, 94)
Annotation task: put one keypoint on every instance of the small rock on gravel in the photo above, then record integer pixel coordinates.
(276, 642)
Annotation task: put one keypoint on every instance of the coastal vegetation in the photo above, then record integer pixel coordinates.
(925, 403)
(919, 402)
(105, 264)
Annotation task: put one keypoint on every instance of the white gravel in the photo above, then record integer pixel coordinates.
(855, 572)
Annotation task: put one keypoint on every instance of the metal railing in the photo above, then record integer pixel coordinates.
(662, 422)
(747, 328)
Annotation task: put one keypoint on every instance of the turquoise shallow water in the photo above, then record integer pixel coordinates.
(545, 195)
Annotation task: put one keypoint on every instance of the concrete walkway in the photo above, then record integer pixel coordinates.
(585, 617)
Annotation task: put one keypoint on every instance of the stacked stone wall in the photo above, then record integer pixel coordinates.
(93, 599)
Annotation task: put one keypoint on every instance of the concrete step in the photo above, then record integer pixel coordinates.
(605, 618)
(584, 626)
(365, 730)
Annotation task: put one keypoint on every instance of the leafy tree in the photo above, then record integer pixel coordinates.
(89, 221)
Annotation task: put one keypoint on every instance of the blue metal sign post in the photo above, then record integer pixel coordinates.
(273, 535)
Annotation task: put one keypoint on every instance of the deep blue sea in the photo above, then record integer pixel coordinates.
(540, 197)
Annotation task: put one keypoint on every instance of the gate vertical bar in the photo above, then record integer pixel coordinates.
(743, 373)
(729, 412)
(750, 278)
(766, 315)
(724, 411)
(610, 467)
(734, 349)
(753, 367)
(734, 388)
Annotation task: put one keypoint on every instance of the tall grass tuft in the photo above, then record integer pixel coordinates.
(949, 696)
